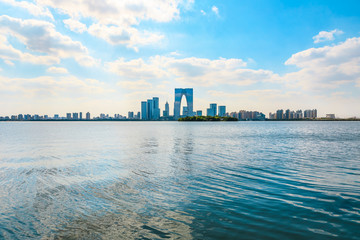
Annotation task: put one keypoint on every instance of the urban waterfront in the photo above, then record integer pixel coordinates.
(180, 180)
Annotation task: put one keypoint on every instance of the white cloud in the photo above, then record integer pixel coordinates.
(116, 21)
(58, 70)
(75, 25)
(326, 36)
(193, 71)
(33, 9)
(8, 52)
(124, 35)
(8, 62)
(326, 67)
(136, 69)
(38, 37)
(203, 12)
(215, 10)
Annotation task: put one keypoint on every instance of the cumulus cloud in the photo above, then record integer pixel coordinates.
(32, 8)
(203, 12)
(215, 10)
(327, 36)
(326, 67)
(116, 21)
(124, 35)
(57, 70)
(194, 71)
(75, 25)
(8, 53)
(39, 37)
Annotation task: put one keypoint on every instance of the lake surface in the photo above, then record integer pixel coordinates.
(179, 180)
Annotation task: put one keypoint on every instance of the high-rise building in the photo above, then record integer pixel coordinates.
(212, 110)
(68, 116)
(156, 109)
(279, 114)
(56, 116)
(310, 113)
(149, 109)
(130, 115)
(179, 93)
(87, 116)
(143, 110)
(20, 117)
(138, 115)
(287, 114)
(166, 112)
(199, 113)
(75, 116)
(80, 115)
(222, 111)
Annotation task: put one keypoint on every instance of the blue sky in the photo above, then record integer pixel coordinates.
(107, 56)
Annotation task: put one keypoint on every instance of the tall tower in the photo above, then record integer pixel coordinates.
(179, 92)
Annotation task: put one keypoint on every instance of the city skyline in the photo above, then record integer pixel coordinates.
(151, 111)
(59, 58)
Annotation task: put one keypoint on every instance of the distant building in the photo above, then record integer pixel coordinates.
(87, 116)
(166, 112)
(130, 115)
(212, 110)
(199, 113)
(75, 116)
(138, 115)
(150, 109)
(46, 117)
(68, 116)
(330, 116)
(56, 116)
(143, 110)
(80, 115)
(279, 114)
(310, 114)
(222, 111)
(287, 114)
(179, 93)
(20, 117)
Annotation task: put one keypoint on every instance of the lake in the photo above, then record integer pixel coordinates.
(180, 180)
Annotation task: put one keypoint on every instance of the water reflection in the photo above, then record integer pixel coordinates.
(180, 181)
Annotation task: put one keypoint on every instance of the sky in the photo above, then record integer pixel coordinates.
(108, 56)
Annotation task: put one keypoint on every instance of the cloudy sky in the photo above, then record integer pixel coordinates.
(59, 56)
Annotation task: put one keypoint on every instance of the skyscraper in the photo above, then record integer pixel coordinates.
(80, 115)
(188, 93)
(156, 109)
(143, 110)
(130, 115)
(166, 111)
(149, 109)
(68, 116)
(87, 116)
(222, 111)
(212, 110)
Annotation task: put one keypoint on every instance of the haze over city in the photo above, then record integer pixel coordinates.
(108, 56)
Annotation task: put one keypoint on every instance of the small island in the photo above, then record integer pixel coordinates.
(207, 119)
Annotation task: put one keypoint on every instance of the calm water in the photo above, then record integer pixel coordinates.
(170, 180)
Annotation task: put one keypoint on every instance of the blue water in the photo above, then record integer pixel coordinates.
(179, 180)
